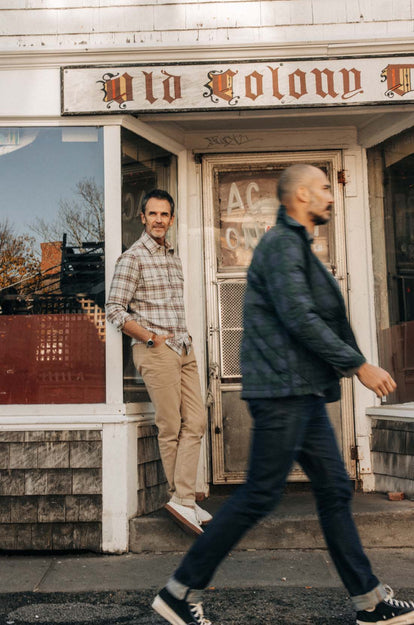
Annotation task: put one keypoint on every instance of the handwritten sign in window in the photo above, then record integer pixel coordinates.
(247, 207)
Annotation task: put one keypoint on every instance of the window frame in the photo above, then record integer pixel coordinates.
(114, 410)
(376, 167)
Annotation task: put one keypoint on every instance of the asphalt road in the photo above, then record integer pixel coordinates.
(282, 587)
(277, 606)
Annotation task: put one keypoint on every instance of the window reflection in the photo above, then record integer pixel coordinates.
(52, 328)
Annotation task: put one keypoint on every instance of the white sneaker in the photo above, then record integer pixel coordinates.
(185, 517)
(202, 515)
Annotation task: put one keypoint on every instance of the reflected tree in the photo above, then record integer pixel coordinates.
(81, 219)
(19, 264)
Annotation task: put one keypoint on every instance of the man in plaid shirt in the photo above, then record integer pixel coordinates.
(146, 303)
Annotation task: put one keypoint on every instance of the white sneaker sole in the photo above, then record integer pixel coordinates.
(403, 619)
(185, 524)
(166, 612)
(208, 517)
(206, 522)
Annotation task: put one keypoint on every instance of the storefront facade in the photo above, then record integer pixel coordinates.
(84, 134)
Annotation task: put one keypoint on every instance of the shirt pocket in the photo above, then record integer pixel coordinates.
(153, 276)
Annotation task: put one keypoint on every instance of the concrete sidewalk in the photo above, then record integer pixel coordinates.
(242, 569)
(285, 549)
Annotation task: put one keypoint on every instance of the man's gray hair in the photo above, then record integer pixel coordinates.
(293, 177)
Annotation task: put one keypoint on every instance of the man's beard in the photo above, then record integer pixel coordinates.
(320, 220)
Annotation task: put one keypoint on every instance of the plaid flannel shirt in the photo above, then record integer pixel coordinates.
(147, 287)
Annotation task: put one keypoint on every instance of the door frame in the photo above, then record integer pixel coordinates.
(210, 164)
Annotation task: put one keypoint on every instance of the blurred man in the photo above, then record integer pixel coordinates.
(296, 345)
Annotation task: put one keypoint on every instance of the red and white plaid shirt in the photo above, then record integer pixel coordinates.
(147, 287)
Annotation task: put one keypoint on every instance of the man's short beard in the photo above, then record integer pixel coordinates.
(318, 220)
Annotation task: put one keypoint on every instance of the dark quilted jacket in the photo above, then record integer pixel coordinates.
(296, 339)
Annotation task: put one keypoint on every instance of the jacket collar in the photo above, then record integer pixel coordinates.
(287, 220)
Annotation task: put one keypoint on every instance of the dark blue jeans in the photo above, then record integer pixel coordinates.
(286, 430)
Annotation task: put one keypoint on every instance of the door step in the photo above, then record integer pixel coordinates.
(293, 525)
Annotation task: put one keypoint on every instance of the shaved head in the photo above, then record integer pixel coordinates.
(305, 192)
(294, 177)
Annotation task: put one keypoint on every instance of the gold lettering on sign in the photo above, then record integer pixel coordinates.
(220, 85)
(301, 76)
(173, 82)
(348, 92)
(329, 80)
(275, 82)
(399, 79)
(149, 95)
(171, 87)
(117, 89)
(258, 79)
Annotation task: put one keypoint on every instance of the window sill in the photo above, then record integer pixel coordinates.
(73, 415)
(397, 412)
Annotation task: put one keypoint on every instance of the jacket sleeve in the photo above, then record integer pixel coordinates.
(291, 295)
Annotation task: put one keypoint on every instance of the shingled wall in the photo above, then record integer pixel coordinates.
(393, 455)
(51, 490)
(152, 483)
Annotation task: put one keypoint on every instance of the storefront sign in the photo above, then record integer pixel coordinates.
(206, 86)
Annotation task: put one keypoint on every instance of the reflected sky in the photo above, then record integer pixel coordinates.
(41, 166)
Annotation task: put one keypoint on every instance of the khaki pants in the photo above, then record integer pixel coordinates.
(173, 384)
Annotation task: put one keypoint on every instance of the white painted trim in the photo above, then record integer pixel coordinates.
(396, 412)
(38, 411)
(92, 412)
(251, 140)
(119, 484)
(378, 131)
(115, 55)
(127, 121)
(190, 249)
(69, 423)
(151, 134)
(53, 423)
(361, 285)
(113, 248)
(364, 458)
(84, 120)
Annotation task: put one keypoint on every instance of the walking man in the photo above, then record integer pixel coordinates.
(146, 302)
(296, 345)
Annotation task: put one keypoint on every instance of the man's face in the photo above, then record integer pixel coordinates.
(321, 199)
(157, 218)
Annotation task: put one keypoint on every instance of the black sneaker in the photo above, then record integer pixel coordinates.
(179, 611)
(389, 610)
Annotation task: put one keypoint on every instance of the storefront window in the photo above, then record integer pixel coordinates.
(396, 336)
(52, 286)
(145, 166)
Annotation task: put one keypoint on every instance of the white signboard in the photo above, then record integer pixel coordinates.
(242, 85)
